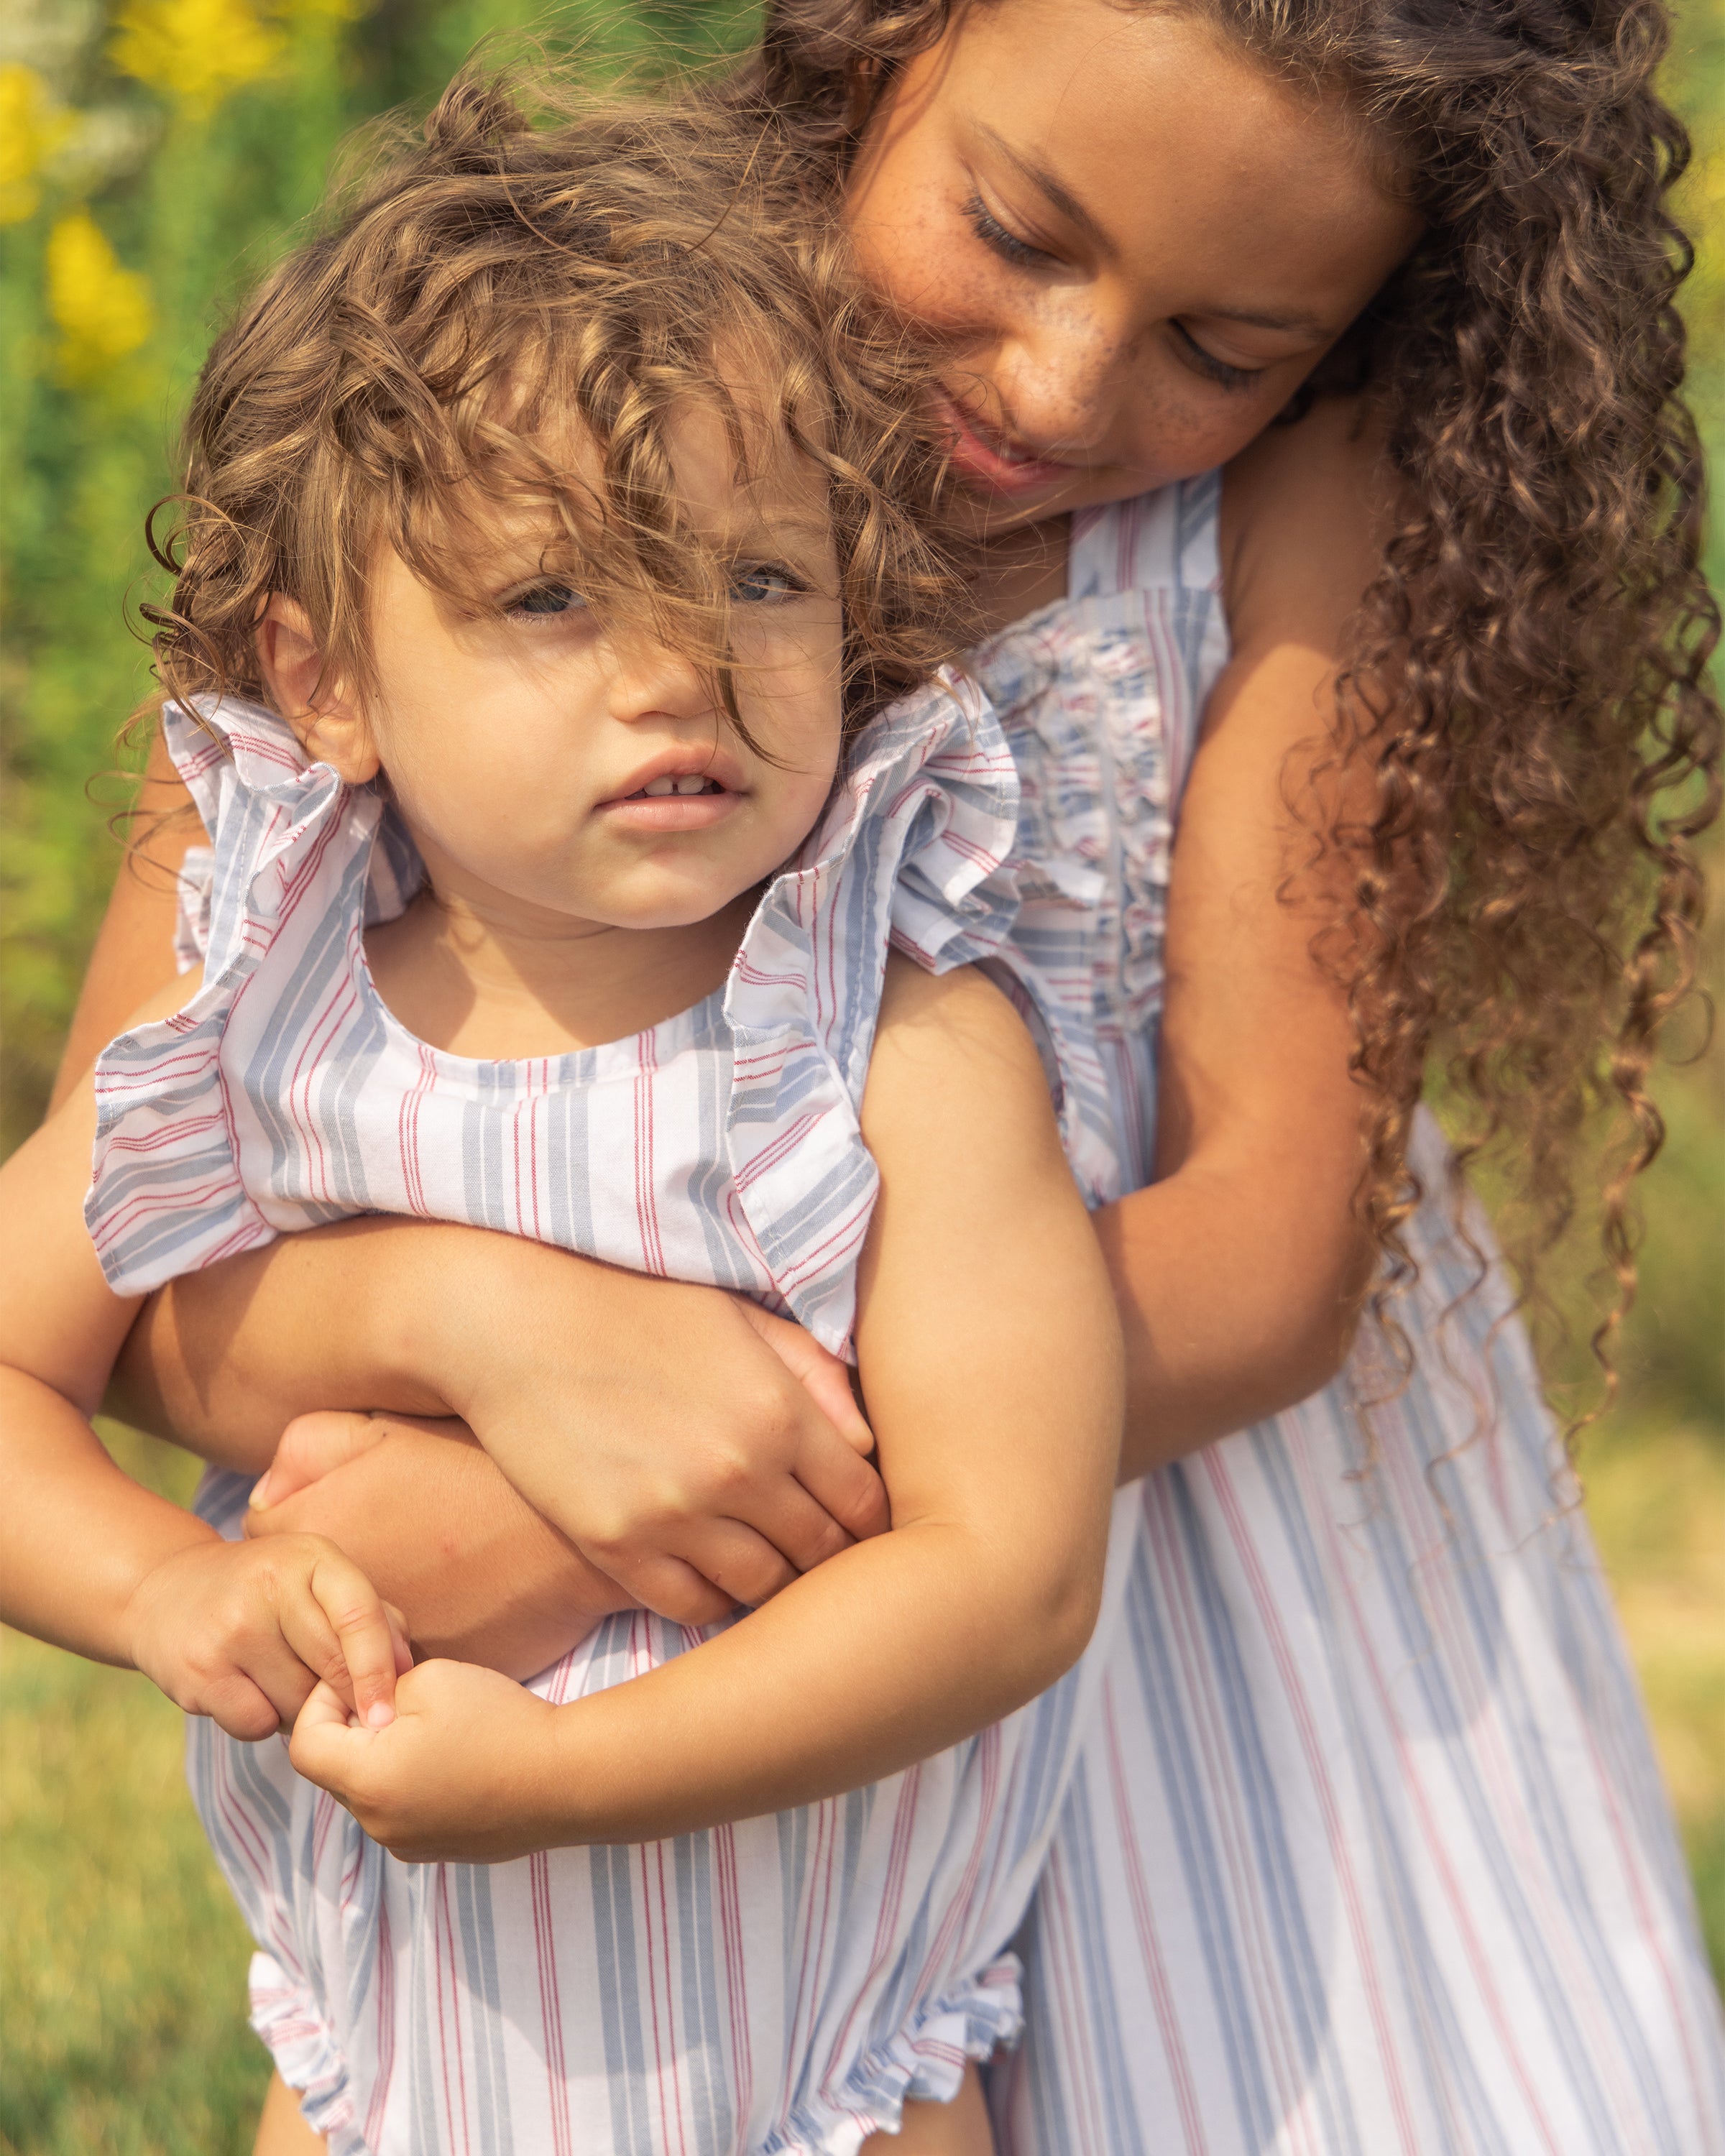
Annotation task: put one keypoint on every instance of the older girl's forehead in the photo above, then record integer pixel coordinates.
(1161, 143)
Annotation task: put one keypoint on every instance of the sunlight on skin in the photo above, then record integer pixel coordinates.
(1132, 300)
(510, 948)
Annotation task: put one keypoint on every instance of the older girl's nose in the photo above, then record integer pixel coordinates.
(1060, 378)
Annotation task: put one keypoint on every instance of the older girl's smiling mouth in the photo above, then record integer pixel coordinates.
(992, 458)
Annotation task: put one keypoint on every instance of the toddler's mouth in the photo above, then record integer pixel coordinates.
(656, 789)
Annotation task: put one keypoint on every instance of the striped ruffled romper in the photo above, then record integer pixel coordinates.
(779, 1985)
(1366, 1853)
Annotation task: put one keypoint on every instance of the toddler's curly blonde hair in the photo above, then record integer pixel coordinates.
(535, 256)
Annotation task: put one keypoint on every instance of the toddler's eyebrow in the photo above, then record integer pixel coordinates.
(784, 525)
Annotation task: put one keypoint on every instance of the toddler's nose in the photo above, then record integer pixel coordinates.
(654, 681)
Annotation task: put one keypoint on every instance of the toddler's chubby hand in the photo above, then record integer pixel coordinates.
(244, 1632)
(452, 1779)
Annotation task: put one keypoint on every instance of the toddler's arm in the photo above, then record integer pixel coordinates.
(990, 1363)
(708, 1441)
(91, 1560)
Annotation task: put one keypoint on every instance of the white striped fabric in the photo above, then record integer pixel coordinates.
(1365, 1849)
(1367, 1854)
(720, 1146)
(782, 1984)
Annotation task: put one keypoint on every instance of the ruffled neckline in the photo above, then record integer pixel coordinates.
(967, 849)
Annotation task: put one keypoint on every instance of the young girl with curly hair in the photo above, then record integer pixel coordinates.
(1314, 369)
(561, 537)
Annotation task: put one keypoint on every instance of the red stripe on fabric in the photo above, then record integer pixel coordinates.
(183, 1063)
(770, 1155)
(449, 2011)
(1250, 1921)
(146, 1205)
(670, 1993)
(377, 2112)
(550, 2004)
(407, 1130)
(646, 1196)
(851, 1229)
(175, 1134)
(659, 2041)
(1083, 2077)
(543, 1092)
(1168, 2022)
(326, 1025)
(887, 1922)
(1275, 1634)
(743, 2062)
(959, 1905)
(804, 2001)
(1457, 1899)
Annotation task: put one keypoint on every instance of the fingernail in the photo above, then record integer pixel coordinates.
(379, 1714)
(259, 1499)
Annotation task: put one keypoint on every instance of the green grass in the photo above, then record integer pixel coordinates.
(122, 1958)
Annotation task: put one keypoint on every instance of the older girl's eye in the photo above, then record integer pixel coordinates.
(763, 582)
(1213, 369)
(538, 602)
(994, 235)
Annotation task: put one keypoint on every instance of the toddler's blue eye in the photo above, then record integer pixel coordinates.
(762, 581)
(544, 599)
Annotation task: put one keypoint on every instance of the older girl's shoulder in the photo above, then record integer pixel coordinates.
(1305, 512)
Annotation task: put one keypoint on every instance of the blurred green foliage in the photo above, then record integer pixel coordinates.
(154, 155)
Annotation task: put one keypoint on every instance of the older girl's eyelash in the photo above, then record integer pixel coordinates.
(993, 234)
(1215, 370)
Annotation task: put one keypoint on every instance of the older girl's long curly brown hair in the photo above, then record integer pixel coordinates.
(1528, 679)
(532, 272)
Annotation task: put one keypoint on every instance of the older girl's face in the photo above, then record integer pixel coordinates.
(1131, 243)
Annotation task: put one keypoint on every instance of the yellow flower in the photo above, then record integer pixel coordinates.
(195, 51)
(102, 311)
(30, 131)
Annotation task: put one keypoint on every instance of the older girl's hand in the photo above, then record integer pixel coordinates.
(465, 1774)
(698, 1452)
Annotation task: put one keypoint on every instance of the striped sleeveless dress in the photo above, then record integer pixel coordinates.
(781, 1984)
(1366, 1853)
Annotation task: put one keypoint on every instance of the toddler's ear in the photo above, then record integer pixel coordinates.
(327, 718)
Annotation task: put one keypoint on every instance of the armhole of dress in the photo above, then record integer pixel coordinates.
(1201, 612)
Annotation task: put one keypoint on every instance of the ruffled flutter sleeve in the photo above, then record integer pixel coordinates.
(916, 852)
(166, 1195)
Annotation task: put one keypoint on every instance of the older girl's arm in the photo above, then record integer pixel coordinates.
(1239, 1272)
(134, 952)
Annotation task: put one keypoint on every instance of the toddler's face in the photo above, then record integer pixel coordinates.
(549, 765)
